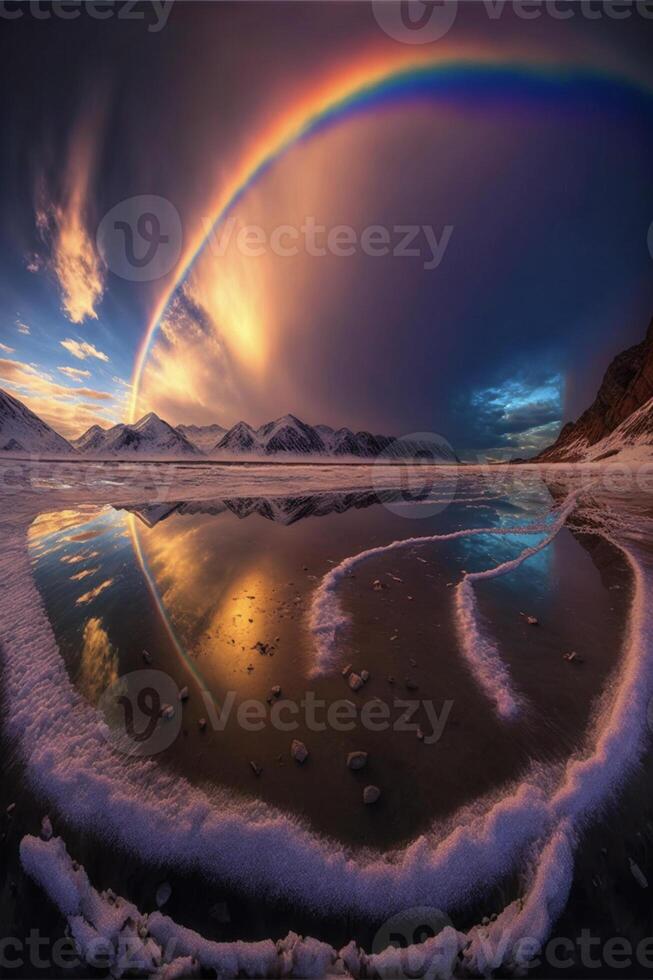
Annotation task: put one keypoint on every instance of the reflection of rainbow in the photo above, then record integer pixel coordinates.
(381, 82)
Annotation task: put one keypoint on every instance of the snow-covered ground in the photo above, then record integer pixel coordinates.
(532, 826)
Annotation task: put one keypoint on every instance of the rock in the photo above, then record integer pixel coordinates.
(378, 585)
(276, 691)
(371, 794)
(346, 671)
(355, 682)
(420, 734)
(365, 676)
(298, 751)
(184, 694)
(395, 578)
(411, 685)
(572, 658)
(167, 712)
(147, 657)
(46, 829)
(261, 647)
(357, 760)
(10, 809)
(255, 769)
(163, 893)
(531, 620)
(201, 724)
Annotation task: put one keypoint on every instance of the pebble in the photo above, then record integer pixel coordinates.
(357, 760)
(371, 794)
(355, 682)
(298, 751)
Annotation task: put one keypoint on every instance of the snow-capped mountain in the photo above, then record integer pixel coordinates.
(620, 420)
(149, 437)
(204, 437)
(21, 431)
(241, 438)
(291, 436)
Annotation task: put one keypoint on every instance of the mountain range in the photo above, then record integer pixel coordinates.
(619, 422)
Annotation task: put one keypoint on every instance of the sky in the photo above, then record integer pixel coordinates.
(226, 211)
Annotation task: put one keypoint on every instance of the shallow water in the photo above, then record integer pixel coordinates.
(199, 584)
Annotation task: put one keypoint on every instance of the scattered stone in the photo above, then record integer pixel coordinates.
(420, 734)
(395, 578)
(250, 668)
(147, 657)
(531, 620)
(371, 794)
(167, 712)
(572, 658)
(355, 681)
(201, 724)
(10, 809)
(378, 585)
(346, 671)
(276, 691)
(262, 648)
(638, 874)
(357, 760)
(298, 751)
(411, 685)
(163, 893)
(365, 676)
(184, 694)
(255, 769)
(46, 829)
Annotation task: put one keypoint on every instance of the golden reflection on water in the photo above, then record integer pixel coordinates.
(215, 600)
(98, 668)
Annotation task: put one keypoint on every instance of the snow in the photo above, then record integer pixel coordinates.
(531, 825)
(21, 431)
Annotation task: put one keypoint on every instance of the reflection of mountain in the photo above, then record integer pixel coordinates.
(280, 510)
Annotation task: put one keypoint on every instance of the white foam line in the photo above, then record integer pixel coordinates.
(479, 650)
(167, 820)
(326, 616)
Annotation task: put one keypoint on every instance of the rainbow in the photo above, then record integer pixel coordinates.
(383, 81)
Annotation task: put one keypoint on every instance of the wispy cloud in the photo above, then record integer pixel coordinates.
(22, 327)
(75, 374)
(82, 350)
(7, 350)
(63, 220)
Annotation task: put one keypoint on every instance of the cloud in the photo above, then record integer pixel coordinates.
(7, 350)
(69, 410)
(75, 374)
(63, 222)
(81, 349)
(22, 327)
(523, 414)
